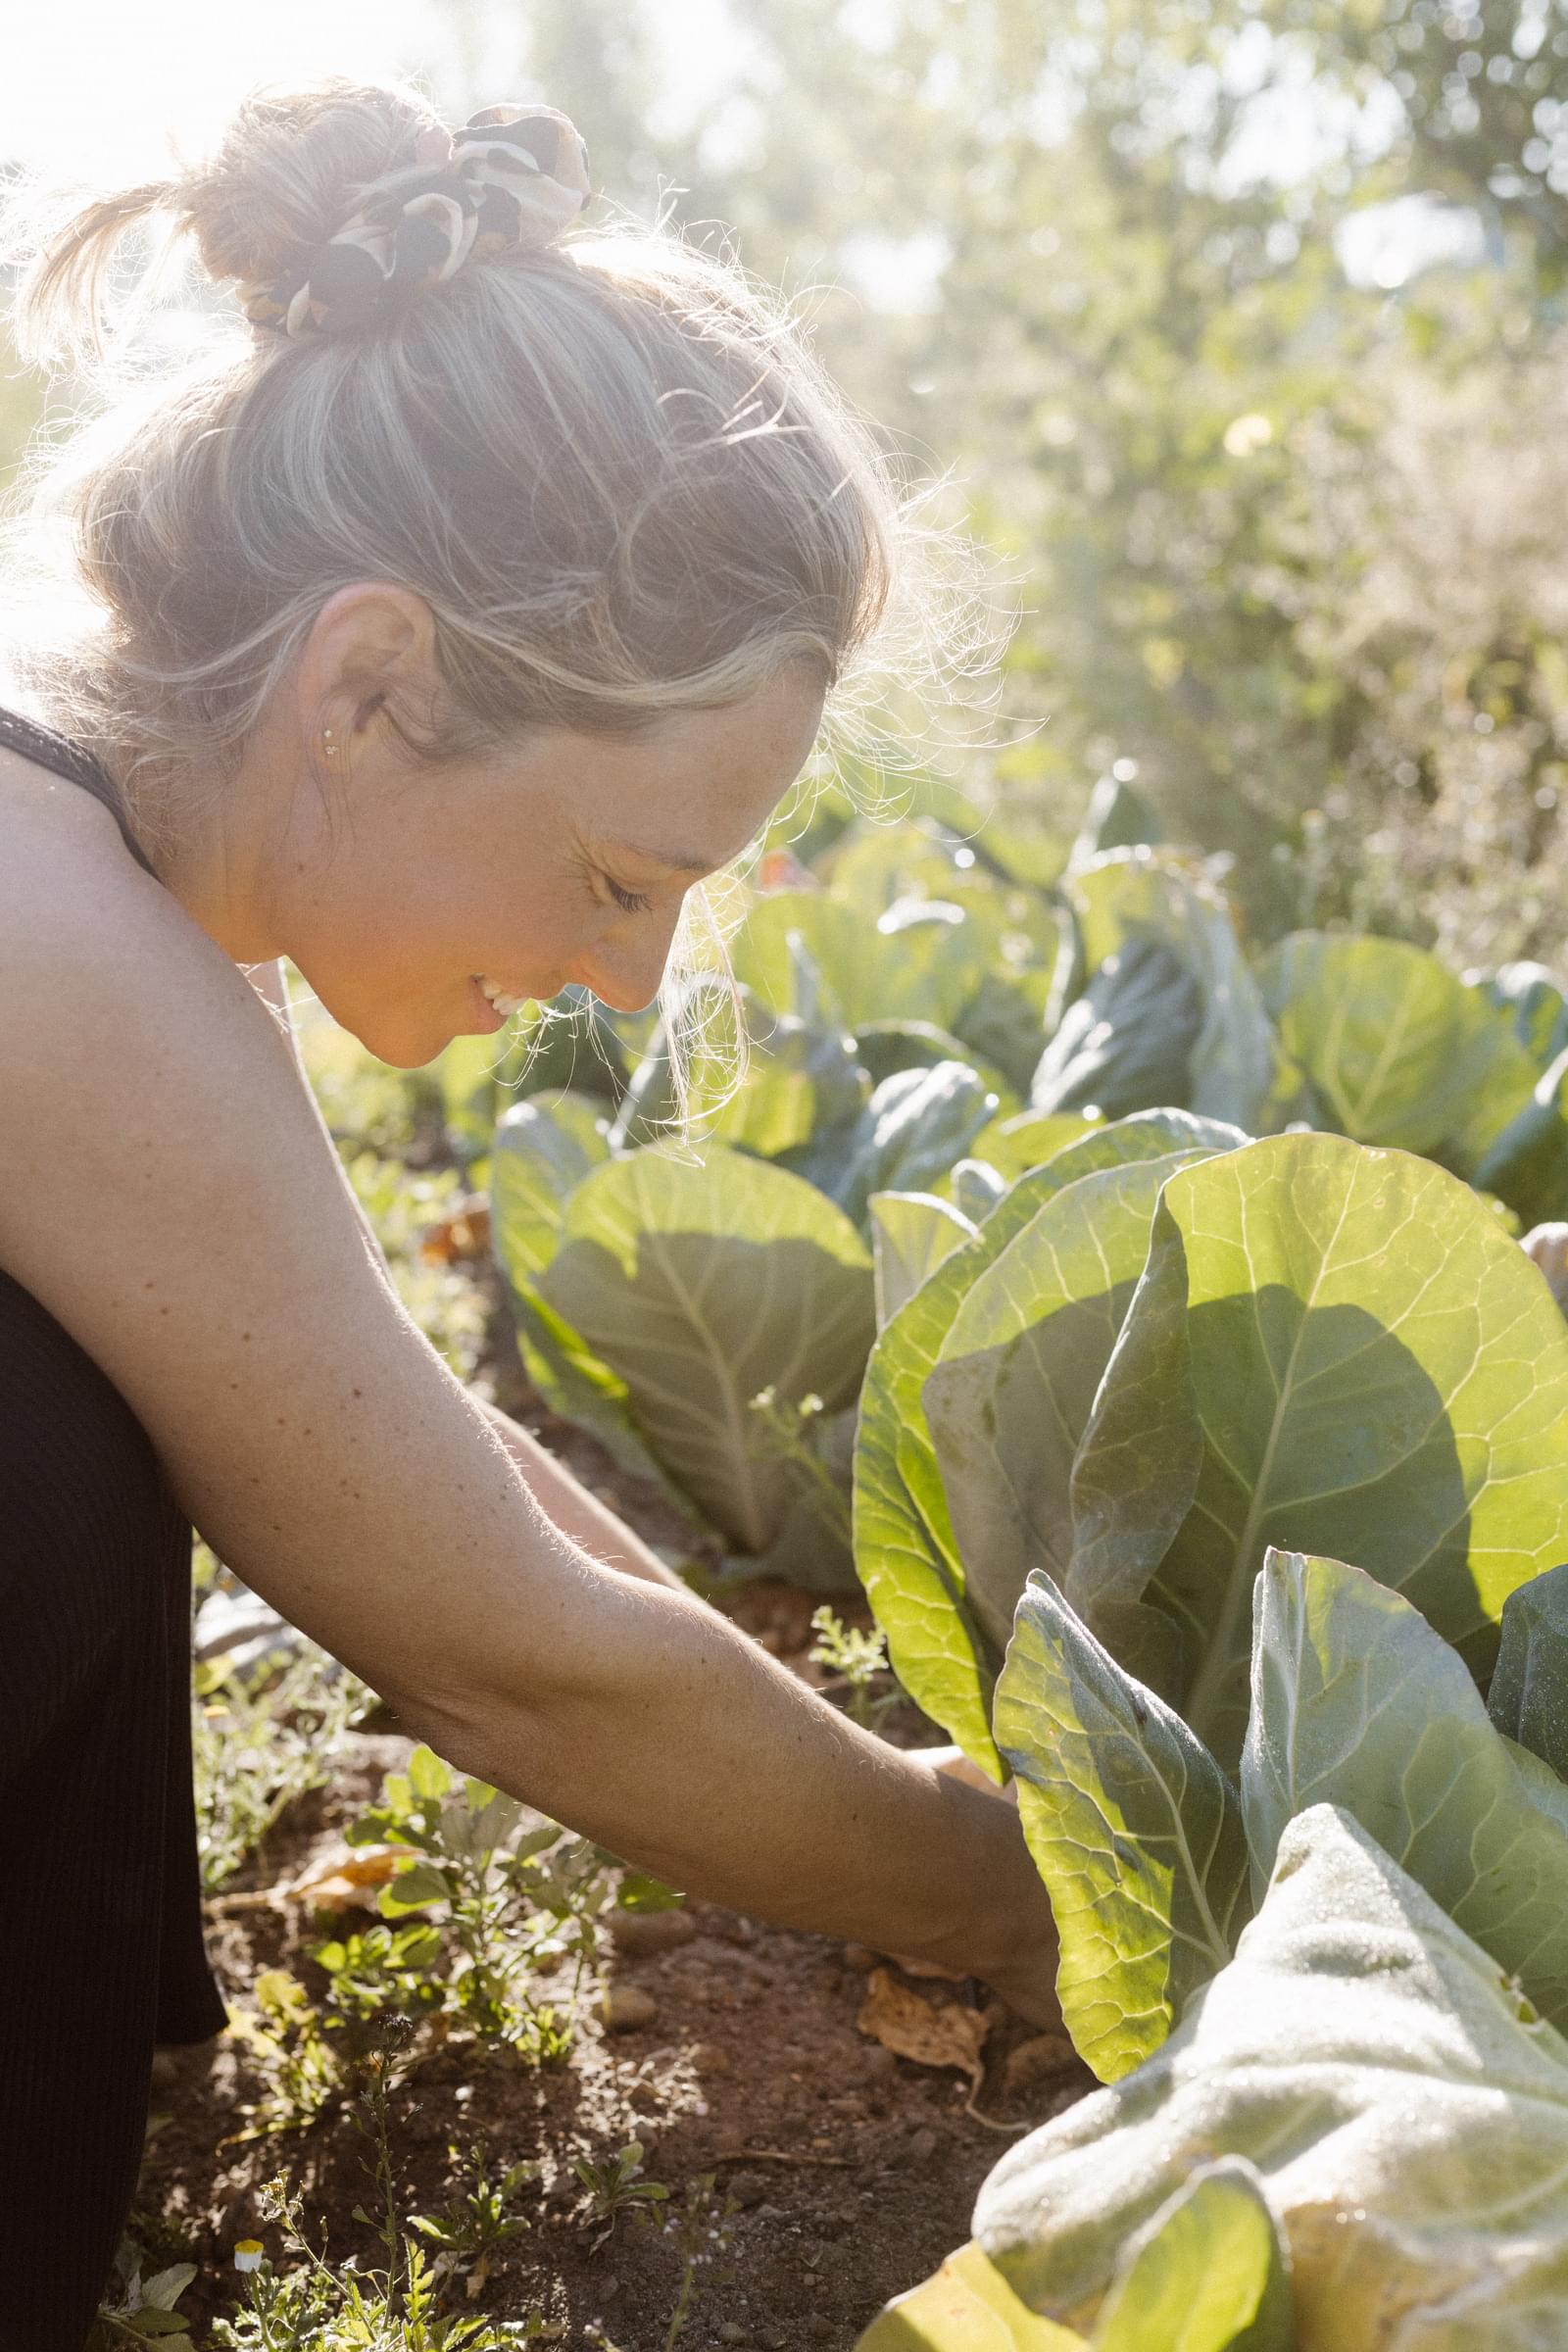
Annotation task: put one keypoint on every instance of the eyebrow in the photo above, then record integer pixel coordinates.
(681, 862)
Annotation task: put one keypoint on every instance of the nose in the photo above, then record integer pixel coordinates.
(624, 972)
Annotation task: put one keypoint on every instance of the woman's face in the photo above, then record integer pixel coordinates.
(564, 860)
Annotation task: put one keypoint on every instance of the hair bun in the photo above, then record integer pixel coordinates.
(514, 176)
(293, 164)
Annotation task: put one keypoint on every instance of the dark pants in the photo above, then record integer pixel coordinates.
(100, 1910)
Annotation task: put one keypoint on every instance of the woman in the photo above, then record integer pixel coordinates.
(476, 600)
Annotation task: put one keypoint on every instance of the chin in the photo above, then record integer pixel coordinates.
(401, 1048)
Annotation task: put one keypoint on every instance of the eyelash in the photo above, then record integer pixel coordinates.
(631, 901)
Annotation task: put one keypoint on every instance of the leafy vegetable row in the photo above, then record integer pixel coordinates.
(926, 1029)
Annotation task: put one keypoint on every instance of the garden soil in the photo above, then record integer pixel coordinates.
(811, 2170)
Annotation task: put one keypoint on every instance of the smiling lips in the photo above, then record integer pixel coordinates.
(505, 1003)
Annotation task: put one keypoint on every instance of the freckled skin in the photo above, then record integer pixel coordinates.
(390, 887)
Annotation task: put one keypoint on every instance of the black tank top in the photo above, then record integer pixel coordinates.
(67, 759)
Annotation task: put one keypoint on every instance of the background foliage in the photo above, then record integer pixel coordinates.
(1277, 487)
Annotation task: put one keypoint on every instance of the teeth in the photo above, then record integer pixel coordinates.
(506, 1005)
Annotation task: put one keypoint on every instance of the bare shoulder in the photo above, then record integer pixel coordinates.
(104, 978)
(168, 1193)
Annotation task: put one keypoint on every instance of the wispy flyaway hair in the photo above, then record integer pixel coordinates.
(611, 467)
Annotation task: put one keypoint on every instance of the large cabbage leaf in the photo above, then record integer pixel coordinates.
(1208, 2272)
(911, 1233)
(1528, 1697)
(1135, 1832)
(1526, 1165)
(1234, 1069)
(1532, 1000)
(889, 969)
(543, 1149)
(1356, 1702)
(1013, 1385)
(701, 1285)
(915, 1126)
(905, 1548)
(1127, 1042)
(1334, 1351)
(1405, 2110)
(1396, 1048)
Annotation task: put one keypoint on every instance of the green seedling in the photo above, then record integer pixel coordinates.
(615, 2185)
(473, 1861)
(285, 2044)
(260, 1738)
(702, 2226)
(383, 1969)
(858, 1661)
(142, 2311)
(390, 2306)
(476, 2223)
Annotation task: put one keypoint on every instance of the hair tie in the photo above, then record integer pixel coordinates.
(513, 176)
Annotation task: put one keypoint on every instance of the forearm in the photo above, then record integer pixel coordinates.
(645, 1721)
(578, 1513)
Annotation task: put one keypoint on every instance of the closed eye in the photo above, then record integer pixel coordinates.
(633, 902)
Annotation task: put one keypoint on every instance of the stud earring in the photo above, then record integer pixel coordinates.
(330, 741)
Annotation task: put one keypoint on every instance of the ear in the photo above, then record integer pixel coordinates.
(370, 639)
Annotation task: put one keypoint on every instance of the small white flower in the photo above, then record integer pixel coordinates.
(248, 2254)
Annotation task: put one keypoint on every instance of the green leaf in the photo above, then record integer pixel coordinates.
(1356, 1702)
(429, 1778)
(1117, 818)
(1528, 1698)
(699, 1285)
(884, 1047)
(1408, 2119)
(1527, 1164)
(1135, 894)
(162, 2291)
(1334, 1351)
(540, 1156)
(1013, 1386)
(911, 1233)
(967, 2306)
(905, 1548)
(541, 1152)
(1205, 2273)
(892, 969)
(915, 1126)
(1135, 1832)
(1397, 1050)
(1127, 1042)
(414, 1889)
(1028, 1139)
(1534, 1004)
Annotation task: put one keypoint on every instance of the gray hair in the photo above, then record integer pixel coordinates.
(612, 470)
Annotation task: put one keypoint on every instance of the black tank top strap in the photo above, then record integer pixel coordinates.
(67, 759)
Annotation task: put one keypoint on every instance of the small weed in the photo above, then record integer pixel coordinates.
(393, 2306)
(813, 1442)
(285, 2042)
(260, 1738)
(476, 2220)
(141, 2311)
(615, 2185)
(702, 2226)
(512, 1899)
(858, 1659)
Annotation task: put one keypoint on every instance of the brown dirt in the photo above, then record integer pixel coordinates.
(841, 2174)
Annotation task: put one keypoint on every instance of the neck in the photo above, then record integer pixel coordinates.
(218, 854)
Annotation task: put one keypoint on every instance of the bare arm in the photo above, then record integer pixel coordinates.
(561, 1496)
(327, 1453)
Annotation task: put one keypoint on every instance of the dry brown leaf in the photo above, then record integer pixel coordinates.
(906, 2023)
(464, 1233)
(349, 1879)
